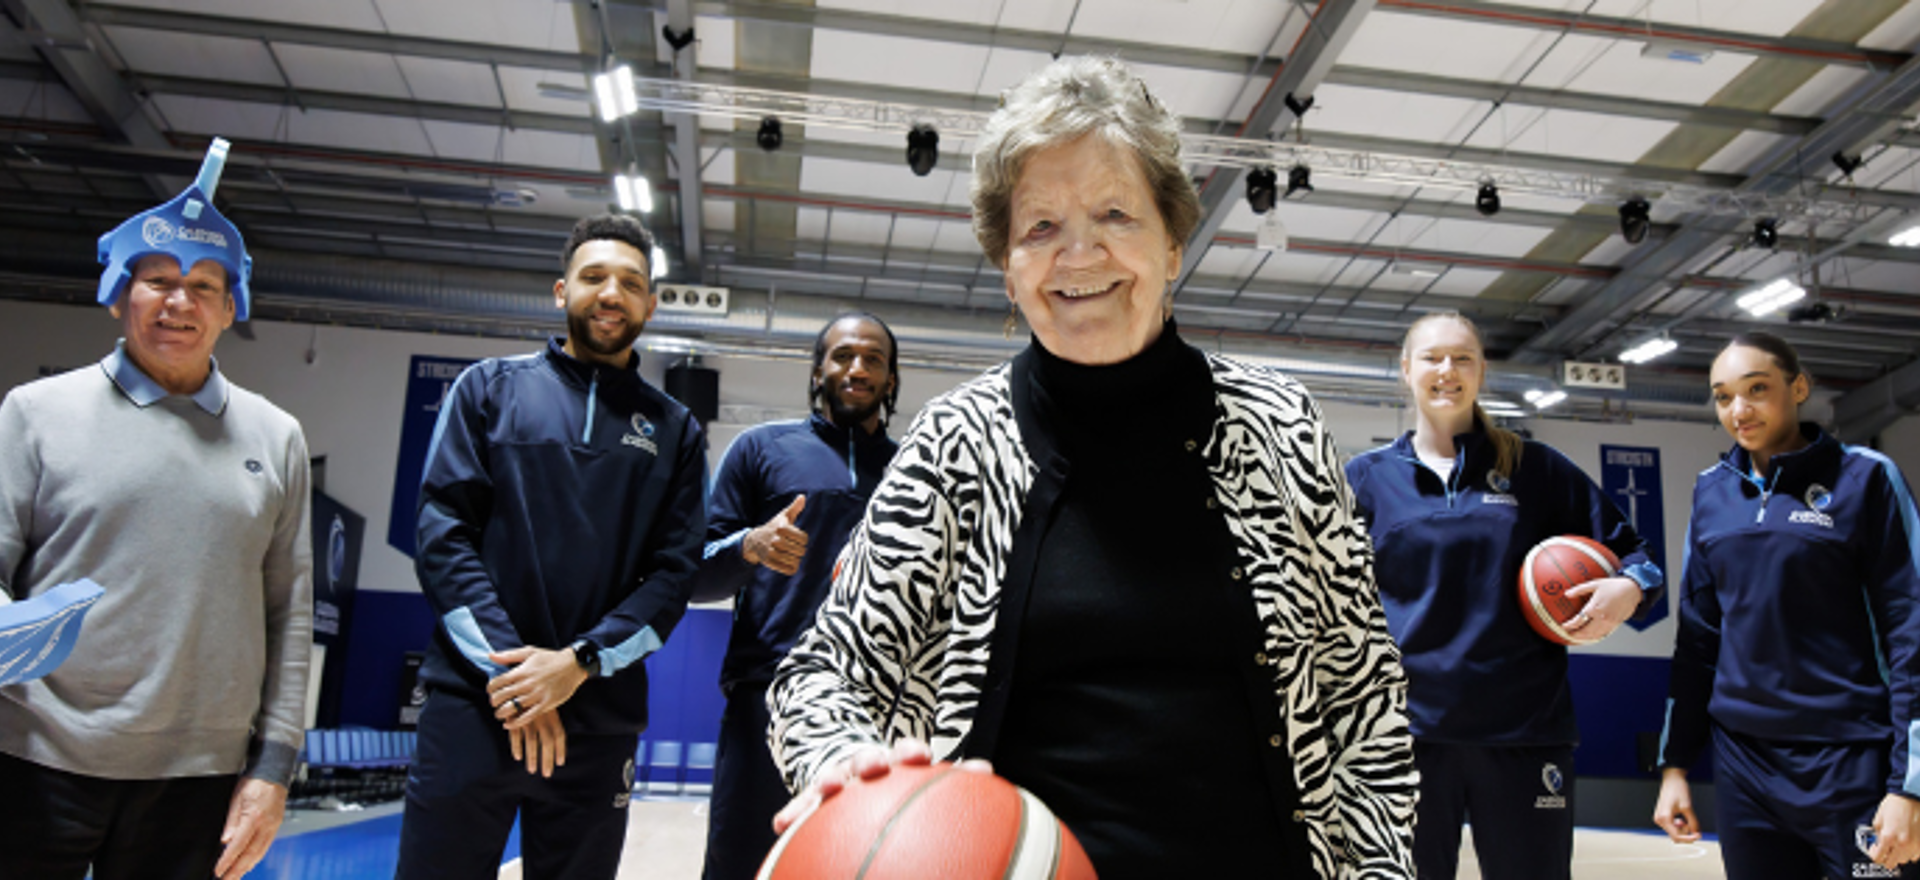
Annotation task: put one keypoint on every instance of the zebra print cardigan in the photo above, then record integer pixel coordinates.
(901, 647)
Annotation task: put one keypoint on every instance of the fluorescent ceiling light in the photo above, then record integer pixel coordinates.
(659, 261)
(1658, 346)
(616, 93)
(1417, 270)
(1908, 237)
(1543, 399)
(633, 192)
(1670, 50)
(1771, 298)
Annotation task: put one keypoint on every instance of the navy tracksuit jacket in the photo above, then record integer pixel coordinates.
(561, 500)
(1447, 557)
(1798, 606)
(758, 476)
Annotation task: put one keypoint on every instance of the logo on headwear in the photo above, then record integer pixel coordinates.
(1818, 497)
(1553, 780)
(157, 232)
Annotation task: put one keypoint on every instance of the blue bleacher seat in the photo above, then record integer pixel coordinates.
(663, 771)
(699, 770)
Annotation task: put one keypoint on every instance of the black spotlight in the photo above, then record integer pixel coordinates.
(1815, 312)
(923, 149)
(1847, 164)
(1262, 189)
(769, 136)
(1634, 221)
(1766, 232)
(680, 40)
(1299, 180)
(1488, 201)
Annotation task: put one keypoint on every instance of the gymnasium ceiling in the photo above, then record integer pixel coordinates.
(416, 164)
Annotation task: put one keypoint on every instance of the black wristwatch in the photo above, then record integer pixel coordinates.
(587, 654)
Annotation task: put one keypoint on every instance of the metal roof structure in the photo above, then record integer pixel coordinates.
(416, 164)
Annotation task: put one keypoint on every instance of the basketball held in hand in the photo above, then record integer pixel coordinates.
(928, 823)
(1553, 567)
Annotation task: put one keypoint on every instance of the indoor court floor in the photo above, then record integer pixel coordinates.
(667, 836)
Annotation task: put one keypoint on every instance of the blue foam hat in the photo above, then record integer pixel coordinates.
(187, 228)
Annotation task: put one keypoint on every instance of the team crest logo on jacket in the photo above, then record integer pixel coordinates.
(1553, 780)
(1498, 484)
(1818, 497)
(642, 436)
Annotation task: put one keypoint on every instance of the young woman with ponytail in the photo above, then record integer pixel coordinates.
(1453, 507)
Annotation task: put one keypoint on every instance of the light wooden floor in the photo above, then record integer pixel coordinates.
(666, 839)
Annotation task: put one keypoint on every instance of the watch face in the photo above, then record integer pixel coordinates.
(587, 654)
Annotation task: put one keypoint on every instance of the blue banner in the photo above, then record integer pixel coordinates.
(1630, 475)
(428, 381)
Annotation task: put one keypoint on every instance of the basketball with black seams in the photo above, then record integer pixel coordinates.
(933, 822)
(1553, 567)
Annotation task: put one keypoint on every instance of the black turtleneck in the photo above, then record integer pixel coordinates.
(1129, 711)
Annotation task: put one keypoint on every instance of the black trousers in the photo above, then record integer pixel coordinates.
(465, 788)
(747, 789)
(1796, 811)
(56, 825)
(1519, 800)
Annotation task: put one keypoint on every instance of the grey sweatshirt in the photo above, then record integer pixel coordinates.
(191, 512)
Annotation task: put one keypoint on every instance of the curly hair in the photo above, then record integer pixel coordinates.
(1059, 104)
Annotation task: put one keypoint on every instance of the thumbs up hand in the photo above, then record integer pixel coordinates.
(778, 544)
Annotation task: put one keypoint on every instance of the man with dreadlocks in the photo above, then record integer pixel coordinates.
(785, 497)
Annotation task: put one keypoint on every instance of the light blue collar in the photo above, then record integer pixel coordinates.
(144, 392)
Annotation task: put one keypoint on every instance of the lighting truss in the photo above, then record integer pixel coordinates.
(677, 96)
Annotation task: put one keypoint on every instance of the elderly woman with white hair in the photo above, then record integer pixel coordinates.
(1125, 571)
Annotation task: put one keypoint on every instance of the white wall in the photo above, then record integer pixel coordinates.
(350, 400)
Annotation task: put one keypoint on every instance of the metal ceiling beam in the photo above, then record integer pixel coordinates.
(686, 144)
(253, 29)
(1861, 414)
(60, 37)
(1563, 99)
(912, 27)
(1649, 265)
(1326, 35)
(1635, 29)
(345, 102)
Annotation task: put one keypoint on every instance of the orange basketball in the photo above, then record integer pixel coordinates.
(928, 823)
(1553, 567)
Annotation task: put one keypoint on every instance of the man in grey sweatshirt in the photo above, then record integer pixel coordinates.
(163, 747)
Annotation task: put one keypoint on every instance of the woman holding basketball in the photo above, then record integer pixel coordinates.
(1799, 640)
(1125, 570)
(1454, 506)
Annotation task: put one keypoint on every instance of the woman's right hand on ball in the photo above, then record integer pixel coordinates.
(869, 764)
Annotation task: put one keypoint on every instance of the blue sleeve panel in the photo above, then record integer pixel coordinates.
(1447, 559)
(456, 499)
(560, 500)
(1798, 611)
(731, 508)
(761, 473)
(1695, 651)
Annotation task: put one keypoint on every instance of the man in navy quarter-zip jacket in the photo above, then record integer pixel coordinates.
(786, 496)
(561, 515)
